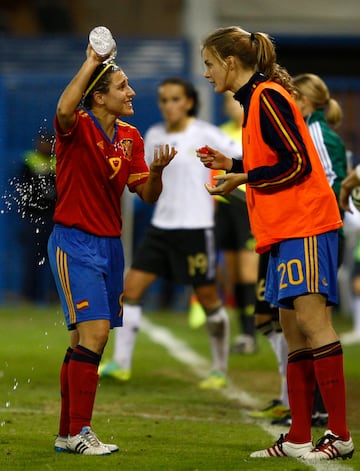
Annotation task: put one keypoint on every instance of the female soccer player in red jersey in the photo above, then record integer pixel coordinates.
(96, 156)
(294, 214)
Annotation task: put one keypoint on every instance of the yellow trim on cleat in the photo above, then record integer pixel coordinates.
(216, 380)
(112, 370)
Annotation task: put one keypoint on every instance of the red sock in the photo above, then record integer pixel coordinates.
(83, 381)
(64, 390)
(301, 386)
(329, 371)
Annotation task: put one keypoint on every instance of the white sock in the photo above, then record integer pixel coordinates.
(279, 345)
(282, 362)
(356, 314)
(125, 336)
(219, 331)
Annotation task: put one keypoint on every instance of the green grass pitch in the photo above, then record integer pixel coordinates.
(160, 419)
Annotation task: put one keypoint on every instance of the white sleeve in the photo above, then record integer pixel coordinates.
(318, 139)
(224, 143)
(149, 145)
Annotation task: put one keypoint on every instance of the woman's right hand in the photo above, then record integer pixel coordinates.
(213, 158)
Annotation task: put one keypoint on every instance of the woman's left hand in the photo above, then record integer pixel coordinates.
(163, 155)
(226, 183)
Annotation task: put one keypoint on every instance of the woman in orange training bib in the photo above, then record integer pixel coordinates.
(294, 214)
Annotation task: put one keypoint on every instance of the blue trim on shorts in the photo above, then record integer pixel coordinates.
(303, 266)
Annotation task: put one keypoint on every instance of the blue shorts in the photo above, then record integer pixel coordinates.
(303, 266)
(89, 275)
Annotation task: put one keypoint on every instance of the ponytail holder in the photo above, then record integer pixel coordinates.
(252, 37)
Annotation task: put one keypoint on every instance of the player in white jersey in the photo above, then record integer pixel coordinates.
(179, 244)
(182, 204)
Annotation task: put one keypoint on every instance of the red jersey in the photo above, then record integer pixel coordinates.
(92, 171)
(304, 208)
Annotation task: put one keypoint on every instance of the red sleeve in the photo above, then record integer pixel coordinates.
(139, 170)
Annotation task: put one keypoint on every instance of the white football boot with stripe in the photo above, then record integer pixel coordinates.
(284, 448)
(331, 447)
(87, 443)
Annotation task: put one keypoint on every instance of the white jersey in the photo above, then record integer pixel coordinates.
(184, 202)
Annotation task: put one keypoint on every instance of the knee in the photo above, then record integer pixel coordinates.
(102, 337)
(208, 297)
(132, 293)
(134, 288)
(95, 340)
(99, 341)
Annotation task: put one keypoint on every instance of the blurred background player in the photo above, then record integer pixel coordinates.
(267, 323)
(235, 241)
(353, 337)
(179, 244)
(38, 196)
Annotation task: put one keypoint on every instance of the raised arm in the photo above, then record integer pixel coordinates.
(71, 96)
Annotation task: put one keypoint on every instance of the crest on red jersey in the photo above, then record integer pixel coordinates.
(127, 145)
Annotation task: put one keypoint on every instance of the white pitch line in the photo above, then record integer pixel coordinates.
(197, 363)
(181, 351)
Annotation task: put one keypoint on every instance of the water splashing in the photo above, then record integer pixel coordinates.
(41, 262)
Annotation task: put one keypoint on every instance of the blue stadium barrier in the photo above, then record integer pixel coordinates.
(33, 73)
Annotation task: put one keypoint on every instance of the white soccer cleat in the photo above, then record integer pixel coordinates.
(331, 447)
(60, 445)
(244, 344)
(283, 448)
(87, 443)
